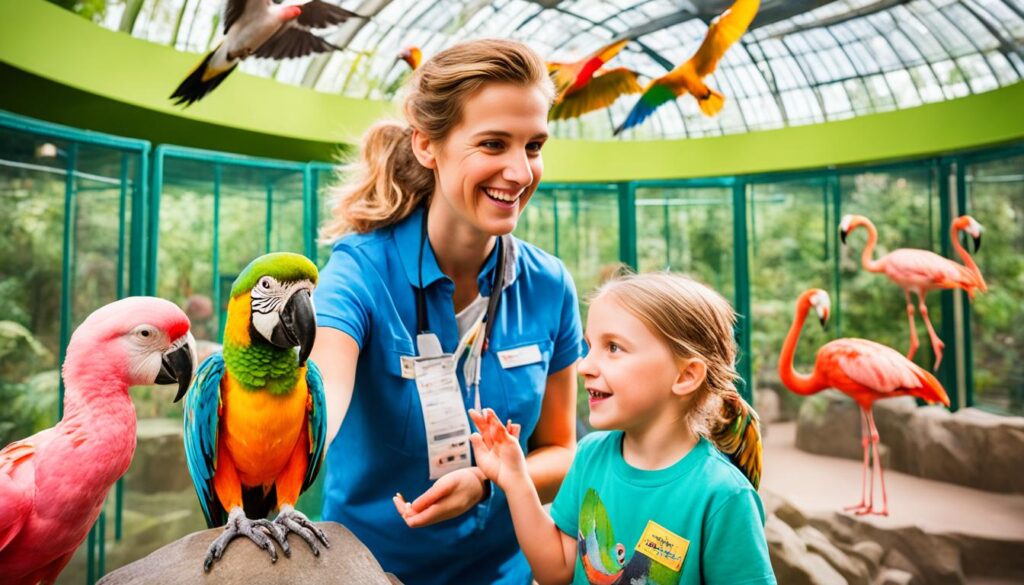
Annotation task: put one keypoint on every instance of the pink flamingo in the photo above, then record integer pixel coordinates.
(921, 271)
(863, 370)
(53, 484)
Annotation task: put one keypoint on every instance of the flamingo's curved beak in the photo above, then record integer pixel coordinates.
(977, 242)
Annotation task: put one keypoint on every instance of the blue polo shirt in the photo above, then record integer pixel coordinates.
(367, 291)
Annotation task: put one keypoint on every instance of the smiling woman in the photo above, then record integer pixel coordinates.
(431, 273)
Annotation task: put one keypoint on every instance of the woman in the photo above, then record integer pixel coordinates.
(430, 264)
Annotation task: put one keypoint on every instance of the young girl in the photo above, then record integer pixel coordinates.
(651, 499)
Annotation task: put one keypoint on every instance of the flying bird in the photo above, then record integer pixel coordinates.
(413, 56)
(53, 484)
(863, 370)
(725, 30)
(585, 85)
(261, 28)
(255, 416)
(920, 271)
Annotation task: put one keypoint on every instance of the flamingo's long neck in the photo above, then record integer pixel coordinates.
(866, 256)
(795, 381)
(971, 267)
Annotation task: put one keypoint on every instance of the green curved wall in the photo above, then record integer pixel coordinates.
(59, 67)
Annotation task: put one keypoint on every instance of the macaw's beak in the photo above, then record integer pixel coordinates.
(297, 326)
(178, 366)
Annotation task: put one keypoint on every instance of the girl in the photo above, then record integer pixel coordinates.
(651, 500)
(426, 260)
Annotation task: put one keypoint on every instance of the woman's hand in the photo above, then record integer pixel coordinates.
(451, 495)
(497, 450)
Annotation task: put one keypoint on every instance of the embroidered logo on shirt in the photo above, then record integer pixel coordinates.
(663, 546)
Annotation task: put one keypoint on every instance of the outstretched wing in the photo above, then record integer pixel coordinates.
(293, 41)
(601, 92)
(723, 32)
(317, 14)
(202, 421)
(317, 423)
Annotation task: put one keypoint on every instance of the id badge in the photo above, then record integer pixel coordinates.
(444, 414)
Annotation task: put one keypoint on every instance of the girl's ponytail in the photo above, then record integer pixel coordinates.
(737, 434)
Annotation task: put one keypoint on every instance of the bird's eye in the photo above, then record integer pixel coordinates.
(265, 283)
(144, 333)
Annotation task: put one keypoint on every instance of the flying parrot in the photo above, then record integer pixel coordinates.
(584, 86)
(725, 30)
(53, 484)
(413, 56)
(261, 28)
(255, 415)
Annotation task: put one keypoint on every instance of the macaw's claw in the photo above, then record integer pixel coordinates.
(291, 520)
(238, 525)
(279, 533)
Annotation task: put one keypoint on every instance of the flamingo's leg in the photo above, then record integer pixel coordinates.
(864, 440)
(878, 465)
(937, 345)
(914, 343)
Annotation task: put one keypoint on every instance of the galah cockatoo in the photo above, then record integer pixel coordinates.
(261, 28)
(256, 414)
(53, 484)
(688, 78)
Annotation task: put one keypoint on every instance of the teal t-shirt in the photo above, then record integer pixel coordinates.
(700, 512)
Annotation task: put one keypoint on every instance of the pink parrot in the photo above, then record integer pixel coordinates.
(53, 484)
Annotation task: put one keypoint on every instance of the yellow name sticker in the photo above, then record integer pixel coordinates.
(663, 546)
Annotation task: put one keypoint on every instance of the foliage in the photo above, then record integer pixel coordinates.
(90, 9)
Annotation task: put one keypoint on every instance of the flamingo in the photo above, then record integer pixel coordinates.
(863, 370)
(920, 271)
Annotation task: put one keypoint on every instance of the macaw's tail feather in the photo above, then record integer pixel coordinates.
(739, 436)
(711, 104)
(194, 87)
(257, 502)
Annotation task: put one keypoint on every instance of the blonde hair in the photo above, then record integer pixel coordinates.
(696, 322)
(388, 181)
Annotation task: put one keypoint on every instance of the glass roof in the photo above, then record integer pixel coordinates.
(801, 62)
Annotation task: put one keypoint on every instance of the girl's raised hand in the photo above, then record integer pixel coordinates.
(496, 448)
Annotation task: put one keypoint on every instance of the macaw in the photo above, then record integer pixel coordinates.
(53, 484)
(255, 415)
(725, 30)
(584, 86)
(261, 28)
(413, 56)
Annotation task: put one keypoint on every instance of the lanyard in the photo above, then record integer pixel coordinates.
(497, 284)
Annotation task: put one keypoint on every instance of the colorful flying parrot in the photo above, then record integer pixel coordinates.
(53, 484)
(413, 56)
(261, 28)
(255, 416)
(725, 30)
(584, 86)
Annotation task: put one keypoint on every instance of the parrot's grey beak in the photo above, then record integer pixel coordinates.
(177, 366)
(298, 325)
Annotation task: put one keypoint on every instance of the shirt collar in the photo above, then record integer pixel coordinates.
(407, 234)
(407, 238)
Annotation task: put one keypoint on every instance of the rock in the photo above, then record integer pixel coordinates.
(894, 577)
(868, 551)
(159, 462)
(244, 563)
(970, 447)
(829, 424)
(791, 515)
(766, 403)
(853, 570)
(894, 559)
(792, 563)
